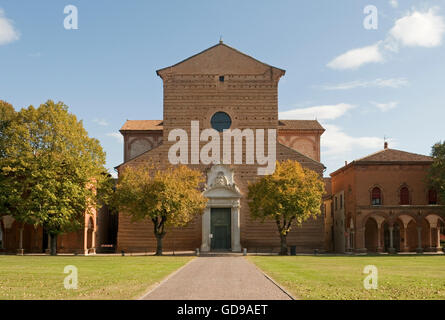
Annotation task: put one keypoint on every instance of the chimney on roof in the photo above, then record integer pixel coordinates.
(346, 163)
(385, 145)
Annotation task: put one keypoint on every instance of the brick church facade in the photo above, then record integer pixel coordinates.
(221, 80)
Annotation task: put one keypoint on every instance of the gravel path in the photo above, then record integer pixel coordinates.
(218, 278)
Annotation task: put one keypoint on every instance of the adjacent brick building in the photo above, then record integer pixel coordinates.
(382, 203)
(36, 240)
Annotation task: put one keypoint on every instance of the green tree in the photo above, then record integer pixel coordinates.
(7, 115)
(169, 197)
(51, 172)
(437, 170)
(290, 196)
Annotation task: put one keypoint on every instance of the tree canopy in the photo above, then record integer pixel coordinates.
(168, 197)
(437, 170)
(51, 171)
(289, 196)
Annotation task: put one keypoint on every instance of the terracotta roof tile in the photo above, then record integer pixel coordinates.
(388, 156)
(300, 125)
(394, 155)
(141, 125)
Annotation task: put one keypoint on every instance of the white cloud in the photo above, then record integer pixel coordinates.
(101, 122)
(326, 112)
(336, 143)
(417, 28)
(386, 106)
(394, 3)
(424, 29)
(357, 57)
(117, 136)
(7, 31)
(377, 83)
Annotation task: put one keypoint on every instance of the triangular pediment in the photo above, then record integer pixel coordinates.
(220, 59)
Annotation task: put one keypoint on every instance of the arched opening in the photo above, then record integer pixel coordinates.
(1, 236)
(395, 236)
(404, 196)
(426, 235)
(435, 224)
(90, 234)
(371, 236)
(411, 236)
(376, 196)
(442, 234)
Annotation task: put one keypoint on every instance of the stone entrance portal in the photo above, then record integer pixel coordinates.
(221, 218)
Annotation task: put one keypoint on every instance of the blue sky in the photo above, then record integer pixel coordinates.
(360, 84)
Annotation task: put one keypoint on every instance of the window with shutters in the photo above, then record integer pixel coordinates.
(404, 196)
(376, 196)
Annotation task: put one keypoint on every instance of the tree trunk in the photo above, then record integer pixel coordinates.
(21, 238)
(159, 244)
(53, 250)
(283, 250)
(159, 224)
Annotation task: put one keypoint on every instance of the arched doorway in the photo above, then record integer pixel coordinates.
(371, 235)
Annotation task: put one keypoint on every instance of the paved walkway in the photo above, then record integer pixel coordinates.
(218, 278)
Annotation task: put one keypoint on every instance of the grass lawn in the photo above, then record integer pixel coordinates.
(333, 277)
(116, 277)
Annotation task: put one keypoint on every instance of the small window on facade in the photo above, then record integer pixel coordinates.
(336, 204)
(221, 78)
(376, 197)
(404, 196)
(341, 201)
(432, 196)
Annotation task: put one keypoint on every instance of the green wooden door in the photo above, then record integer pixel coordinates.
(220, 222)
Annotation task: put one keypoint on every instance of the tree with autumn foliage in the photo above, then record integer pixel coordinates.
(289, 196)
(51, 172)
(168, 197)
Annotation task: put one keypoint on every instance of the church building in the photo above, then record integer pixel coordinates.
(221, 88)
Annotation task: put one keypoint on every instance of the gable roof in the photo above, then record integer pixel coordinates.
(300, 125)
(388, 156)
(219, 58)
(142, 125)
